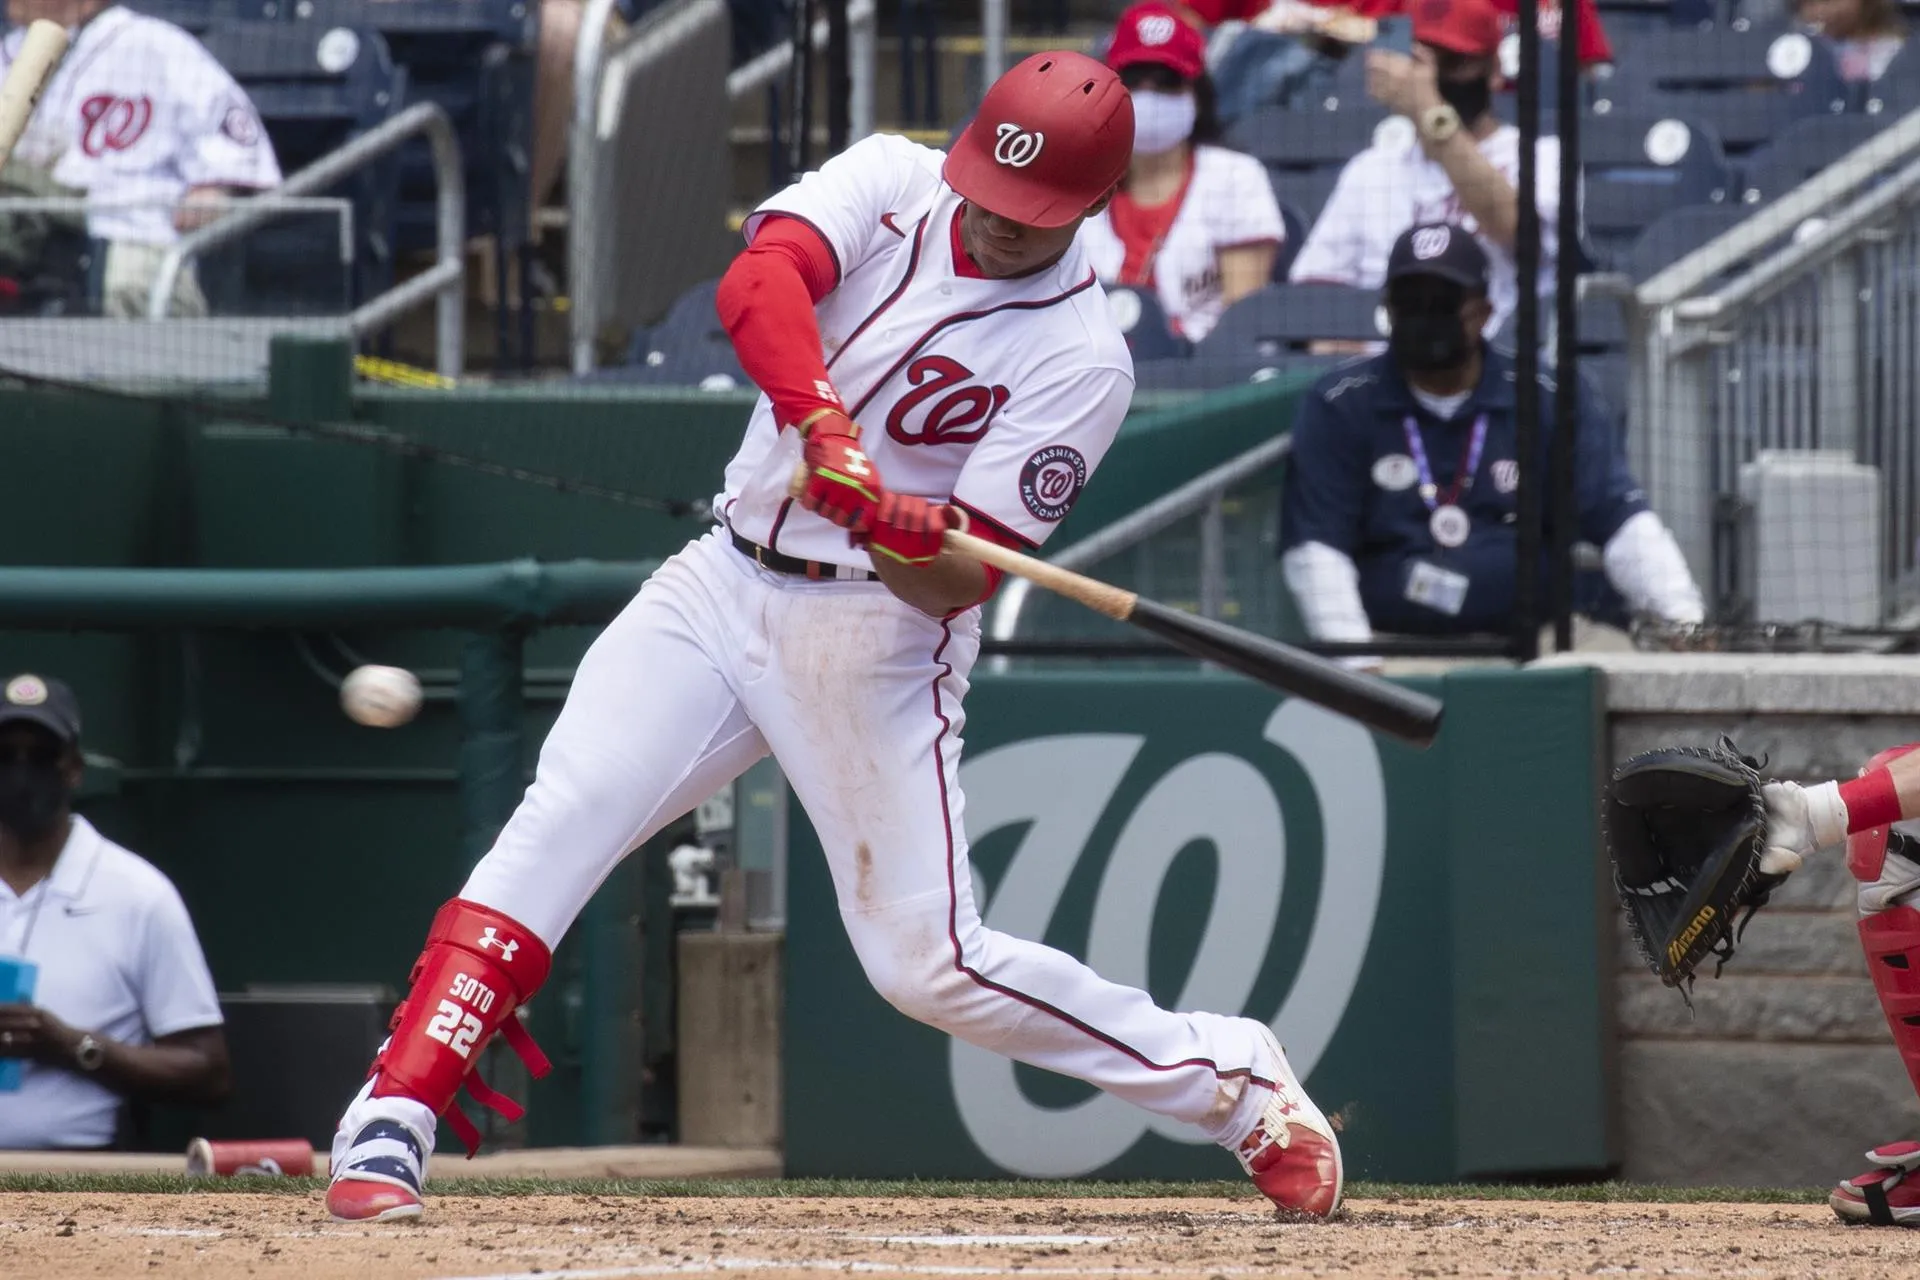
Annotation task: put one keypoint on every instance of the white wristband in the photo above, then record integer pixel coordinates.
(1826, 814)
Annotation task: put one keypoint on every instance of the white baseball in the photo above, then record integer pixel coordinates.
(380, 697)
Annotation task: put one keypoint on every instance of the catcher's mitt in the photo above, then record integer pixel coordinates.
(1685, 827)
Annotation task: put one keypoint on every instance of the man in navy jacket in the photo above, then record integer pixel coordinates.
(1399, 508)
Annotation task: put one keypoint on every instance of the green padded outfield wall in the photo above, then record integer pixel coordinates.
(310, 849)
(1422, 928)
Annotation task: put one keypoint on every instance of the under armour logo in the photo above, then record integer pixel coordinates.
(857, 463)
(488, 938)
(1016, 146)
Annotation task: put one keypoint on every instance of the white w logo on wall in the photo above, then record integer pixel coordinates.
(1016, 146)
(1060, 787)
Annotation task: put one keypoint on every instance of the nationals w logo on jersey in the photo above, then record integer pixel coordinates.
(1052, 480)
(108, 123)
(960, 416)
(1016, 146)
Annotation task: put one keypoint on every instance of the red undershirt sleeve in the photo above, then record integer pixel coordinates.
(991, 532)
(766, 300)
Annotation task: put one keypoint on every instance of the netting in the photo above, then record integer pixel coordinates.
(425, 179)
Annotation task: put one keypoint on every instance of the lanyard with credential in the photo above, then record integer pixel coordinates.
(1447, 522)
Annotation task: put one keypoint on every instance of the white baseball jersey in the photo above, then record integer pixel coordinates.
(1394, 184)
(1228, 202)
(117, 956)
(137, 113)
(1001, 395)
(1004, 394)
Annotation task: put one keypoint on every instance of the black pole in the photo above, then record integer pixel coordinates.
(839, 79)
(1526, 261)
(800, 89)
(1566, 368)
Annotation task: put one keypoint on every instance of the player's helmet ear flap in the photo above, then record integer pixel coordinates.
(1052, 137)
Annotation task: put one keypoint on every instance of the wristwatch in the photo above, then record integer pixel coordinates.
(89, 1053)
(1437, 124)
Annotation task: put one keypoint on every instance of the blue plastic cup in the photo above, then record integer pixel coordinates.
(17, 979)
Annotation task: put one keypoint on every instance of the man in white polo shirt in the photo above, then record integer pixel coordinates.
(120, 1004)
(1443, 157)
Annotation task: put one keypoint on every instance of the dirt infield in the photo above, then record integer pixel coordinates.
(226, 1234)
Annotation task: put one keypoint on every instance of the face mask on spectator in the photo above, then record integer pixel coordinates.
(32, 794)
(1161, 121)
(1429, 333)
(1471, 98)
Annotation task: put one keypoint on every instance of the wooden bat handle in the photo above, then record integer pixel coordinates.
(40, 53)
(1097, 596)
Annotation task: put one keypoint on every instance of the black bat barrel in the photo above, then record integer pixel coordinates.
(1401, 713)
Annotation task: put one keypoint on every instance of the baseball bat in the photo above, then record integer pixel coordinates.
(40, 53)
(1379, 705)
(1376, 703)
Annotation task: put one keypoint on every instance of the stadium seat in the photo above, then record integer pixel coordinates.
(1296, 224)
(1802, 150)
(475, 59)
(1194, 374)
(315, 89)
(1747, 86)
(687, 348)
(1144, 322)
(1304, 152)
(1284, 319)
(1636, 168)
(1678, 233)
(197, 16)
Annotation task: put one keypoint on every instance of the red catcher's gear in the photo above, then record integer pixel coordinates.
(1052, 136)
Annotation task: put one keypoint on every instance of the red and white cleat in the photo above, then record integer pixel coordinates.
(1292, 1155)
(1883, 1195)
(377, 1178)
(355, 1200)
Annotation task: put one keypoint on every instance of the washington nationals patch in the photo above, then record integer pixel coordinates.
(1052, 480)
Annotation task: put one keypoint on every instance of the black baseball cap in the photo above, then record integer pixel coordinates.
(41, 700)
(1439, 249)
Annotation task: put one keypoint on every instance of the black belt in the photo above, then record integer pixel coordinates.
(768, 558)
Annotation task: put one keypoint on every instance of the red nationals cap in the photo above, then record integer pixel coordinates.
(1151, 32)
(1470, 27)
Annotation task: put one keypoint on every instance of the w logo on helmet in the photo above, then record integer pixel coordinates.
(1017, 147)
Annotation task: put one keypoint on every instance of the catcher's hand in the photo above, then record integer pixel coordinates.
(1687, 830)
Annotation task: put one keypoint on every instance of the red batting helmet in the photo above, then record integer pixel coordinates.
(1052, 136)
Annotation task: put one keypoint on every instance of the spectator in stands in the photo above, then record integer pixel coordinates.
(1286, 44)
(141, 118)
(119, 1004)
(1194, 222)
(1865, 34)
(1457, 164)
(1398, 511)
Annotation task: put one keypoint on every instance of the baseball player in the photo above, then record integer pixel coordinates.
(141, 118)
(1802, 820)
(933, 352)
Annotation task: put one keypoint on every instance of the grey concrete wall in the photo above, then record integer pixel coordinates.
(1783, 1072)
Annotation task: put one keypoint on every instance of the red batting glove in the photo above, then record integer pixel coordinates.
(843, 484)
(909, 529)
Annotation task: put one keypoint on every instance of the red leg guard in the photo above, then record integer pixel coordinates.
(1892, 942)
(478, 967)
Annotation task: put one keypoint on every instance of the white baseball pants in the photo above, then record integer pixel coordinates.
(859, 696)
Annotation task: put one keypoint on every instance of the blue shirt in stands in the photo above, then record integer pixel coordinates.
(1351, 484)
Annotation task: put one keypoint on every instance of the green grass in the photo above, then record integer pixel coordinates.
(1591, 1192)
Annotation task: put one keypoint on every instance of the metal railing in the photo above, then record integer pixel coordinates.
(444, 281)
(1204, 495)
(1795, 330)
(603, 70)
